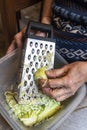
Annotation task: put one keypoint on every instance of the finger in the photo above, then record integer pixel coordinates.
(11, 47)
(59, 98)
(64, 97)
(23, 30)
(42, 83)
(18, 38)
(60, 92)
(56, 83)
(50, 83)
(47, 91)
(17, 42)
(56, 92)
(57, 72)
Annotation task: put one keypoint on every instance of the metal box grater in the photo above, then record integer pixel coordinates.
(38, 52)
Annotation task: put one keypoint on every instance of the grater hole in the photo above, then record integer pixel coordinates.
(36, 44)
(36, 64)
(43, 52)
(27, 90)
(46, 46)
(32, 51)
(31, 64)
(44, 59)
(34, 58)
(35, 96)
(41, 45)
(25, 83)
(41, 64)
(33, 90)
(33, 70)
(29, 57)
(31, 44)
(29, 76)
(39, 58)
(27, 70)
(48, 52)
(31, 83)
(51, 47)
(28, 98)
(46, 65)
(38, 51)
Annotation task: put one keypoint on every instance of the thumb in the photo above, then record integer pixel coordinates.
(11, 47)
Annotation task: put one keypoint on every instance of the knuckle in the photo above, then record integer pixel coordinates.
(71, 87)
(70, 82)
(53, 94)
(17, 35)
(49, 83)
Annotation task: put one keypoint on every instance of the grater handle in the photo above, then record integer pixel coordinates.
(37, 26)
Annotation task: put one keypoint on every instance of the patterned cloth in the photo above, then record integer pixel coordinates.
(70, 30)
(70, 49)
(69, 9)
(69, 26)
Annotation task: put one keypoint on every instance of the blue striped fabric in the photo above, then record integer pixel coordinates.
(69, 9)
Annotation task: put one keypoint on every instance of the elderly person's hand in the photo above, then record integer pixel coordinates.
(17, 41)
(63, 83)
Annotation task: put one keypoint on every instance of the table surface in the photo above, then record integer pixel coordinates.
(78, 119)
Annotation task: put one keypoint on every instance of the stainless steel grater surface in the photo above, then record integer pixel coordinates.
(39, 52)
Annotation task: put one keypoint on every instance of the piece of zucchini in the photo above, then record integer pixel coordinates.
(39, 109)
(34, 112)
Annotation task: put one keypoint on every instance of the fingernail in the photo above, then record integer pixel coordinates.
(42, 82)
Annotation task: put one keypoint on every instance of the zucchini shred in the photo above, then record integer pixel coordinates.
(34, 112)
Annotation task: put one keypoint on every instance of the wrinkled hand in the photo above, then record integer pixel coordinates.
(17, 41)
(63, 83)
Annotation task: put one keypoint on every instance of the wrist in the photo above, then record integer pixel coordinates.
(46, 20)
(83, 69)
